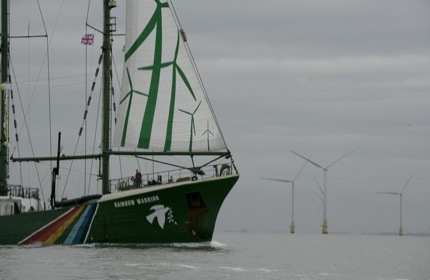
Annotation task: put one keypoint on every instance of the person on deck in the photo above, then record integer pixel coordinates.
(137, 179)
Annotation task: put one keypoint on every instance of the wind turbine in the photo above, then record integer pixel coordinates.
(292, 226)
(325, 169)
(401, 202)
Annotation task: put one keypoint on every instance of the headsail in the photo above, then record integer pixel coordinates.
(163, 106)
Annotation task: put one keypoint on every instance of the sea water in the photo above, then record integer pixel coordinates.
(230, 256)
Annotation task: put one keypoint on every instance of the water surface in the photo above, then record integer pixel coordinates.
(230, 256)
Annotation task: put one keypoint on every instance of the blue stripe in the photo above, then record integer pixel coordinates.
(80, 228)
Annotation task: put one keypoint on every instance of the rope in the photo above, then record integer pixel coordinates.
(28, 133)
(84, 119)
(86, 96)
(49, 82)
(91, 94)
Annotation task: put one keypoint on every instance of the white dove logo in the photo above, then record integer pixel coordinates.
(159, 213)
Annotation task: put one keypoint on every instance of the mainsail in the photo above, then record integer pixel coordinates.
(163, 105)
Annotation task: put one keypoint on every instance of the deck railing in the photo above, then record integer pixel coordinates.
(20, 191)
(168, 177)
(127, 183)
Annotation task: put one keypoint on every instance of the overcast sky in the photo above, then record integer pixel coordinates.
(317, 77)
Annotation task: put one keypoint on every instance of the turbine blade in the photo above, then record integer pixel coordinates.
(278, 180)
(188, 113)
(314, 163)
(300, 171)
(408, 182)
(319, 186)
(318, 195)
(342, 157)
(396, 193)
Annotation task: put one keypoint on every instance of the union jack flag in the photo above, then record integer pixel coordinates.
(87, 39)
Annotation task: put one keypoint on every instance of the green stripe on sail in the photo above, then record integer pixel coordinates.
(148, 117)
(187, 83)
(142, 37)
(169, 129)
(176, 69)
(147, 30)
(151, 67)
(130, 99)
(124, 132)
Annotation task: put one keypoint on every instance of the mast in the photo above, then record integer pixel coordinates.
(55, 172)
(106, 127)
(3, 103)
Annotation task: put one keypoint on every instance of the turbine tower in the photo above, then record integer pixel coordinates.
(401, 202)
(325, 169)
(292, 225)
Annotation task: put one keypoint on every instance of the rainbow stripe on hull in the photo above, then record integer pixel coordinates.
(70, 228)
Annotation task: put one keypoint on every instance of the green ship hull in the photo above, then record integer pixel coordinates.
(168, 213)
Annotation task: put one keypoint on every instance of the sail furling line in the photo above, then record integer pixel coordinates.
(183, 34)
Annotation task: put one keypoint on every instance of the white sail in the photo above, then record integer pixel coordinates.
(163, 106)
